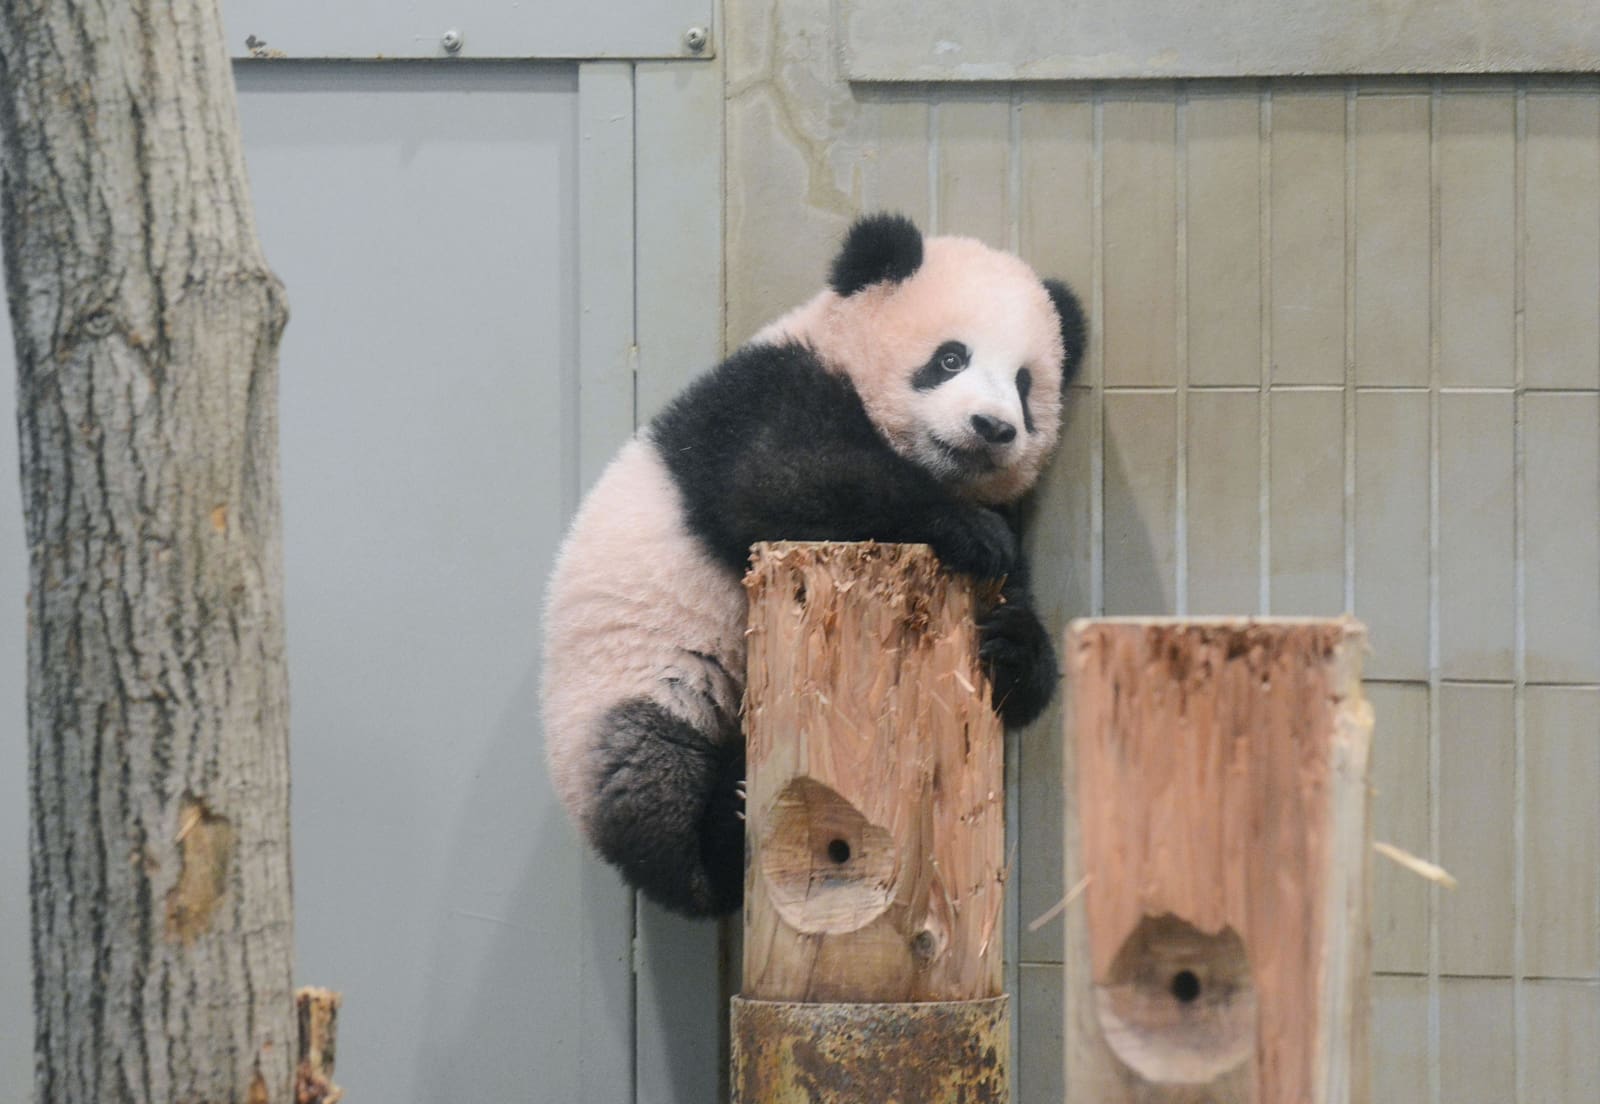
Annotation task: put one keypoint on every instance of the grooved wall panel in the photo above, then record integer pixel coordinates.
(1308, 238)
(974, 138)
(1562, 448)
(1391, 530)
(1475, 135)
(1476, 543)
(1307, 514)
(1141, 492)
(1562, 243)
(1223, 506)
(1476, 817)
(1393, 214)
(1477, 1033)
(1562, 1062)
(1400, 816)
(1561, 841)
(1222, 223)
(1139, 167)
(895, 176)
(1399, 1039)
(1432, 245)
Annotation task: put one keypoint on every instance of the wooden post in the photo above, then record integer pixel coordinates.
(317, 1015)
(1216, 781)
(876, 828)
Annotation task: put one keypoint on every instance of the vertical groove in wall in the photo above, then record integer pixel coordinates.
(933, 162)
(1180, 336)
(1013, 762)
(1263, 411)
(1097, 338)
(1519, 650)
(1014, 171)
(1433, 589)
(1350, 170)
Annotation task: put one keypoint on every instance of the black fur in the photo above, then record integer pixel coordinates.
(1074, 330)
(877, 248)
(1024, 386)
(666, 814)
(933, 373)
(771, 446)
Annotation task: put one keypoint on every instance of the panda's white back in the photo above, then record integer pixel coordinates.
(633, 598)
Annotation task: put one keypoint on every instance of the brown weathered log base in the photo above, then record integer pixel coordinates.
(940, 1052)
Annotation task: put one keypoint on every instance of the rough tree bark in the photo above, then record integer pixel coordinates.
(147, 326)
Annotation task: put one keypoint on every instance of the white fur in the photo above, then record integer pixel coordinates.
(632, 597)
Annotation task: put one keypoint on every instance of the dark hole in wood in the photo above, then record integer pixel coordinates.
(1185, 986)
(839, 851)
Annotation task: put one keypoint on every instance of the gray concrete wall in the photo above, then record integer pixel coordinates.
(1346, 356)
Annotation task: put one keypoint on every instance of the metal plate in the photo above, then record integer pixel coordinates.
(375, 29)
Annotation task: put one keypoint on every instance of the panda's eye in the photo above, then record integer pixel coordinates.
(947, 360)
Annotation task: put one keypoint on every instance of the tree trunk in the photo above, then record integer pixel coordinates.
(147, 325)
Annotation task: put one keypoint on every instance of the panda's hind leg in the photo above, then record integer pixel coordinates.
(669, 808)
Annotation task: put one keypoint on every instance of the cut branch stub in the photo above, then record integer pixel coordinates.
(875, 781)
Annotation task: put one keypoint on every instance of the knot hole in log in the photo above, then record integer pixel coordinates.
(1179, 1006)
(829, 869)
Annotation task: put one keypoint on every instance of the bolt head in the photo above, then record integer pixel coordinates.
(696, 38)
(451, 41)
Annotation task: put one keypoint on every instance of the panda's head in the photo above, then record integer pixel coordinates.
(958, 351)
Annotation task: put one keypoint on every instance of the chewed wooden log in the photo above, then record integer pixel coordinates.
(876, 807)
(1217, 788)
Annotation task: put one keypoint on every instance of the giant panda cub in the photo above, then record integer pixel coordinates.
(910, 400)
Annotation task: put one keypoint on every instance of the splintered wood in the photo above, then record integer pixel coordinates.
(1217, 786)
(875, 781)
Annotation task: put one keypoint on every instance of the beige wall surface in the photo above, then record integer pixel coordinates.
(1346, 355)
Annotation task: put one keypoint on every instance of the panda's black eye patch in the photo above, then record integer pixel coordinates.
(1024, 385)
(947, 360)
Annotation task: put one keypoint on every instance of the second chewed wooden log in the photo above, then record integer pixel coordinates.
(1217, 788)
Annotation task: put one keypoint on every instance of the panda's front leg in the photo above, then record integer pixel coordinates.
(1015, 650)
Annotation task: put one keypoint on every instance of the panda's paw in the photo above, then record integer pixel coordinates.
(978, 541)
(1016, 652)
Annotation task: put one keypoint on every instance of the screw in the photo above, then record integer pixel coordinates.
(451, 41)
(695, 38)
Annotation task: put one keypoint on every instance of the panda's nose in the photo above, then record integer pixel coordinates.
(993, 430)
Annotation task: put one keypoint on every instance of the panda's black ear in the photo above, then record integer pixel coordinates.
(878, 247)
(1074, 329)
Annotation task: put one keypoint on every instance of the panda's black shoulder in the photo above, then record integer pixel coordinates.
(765, 392)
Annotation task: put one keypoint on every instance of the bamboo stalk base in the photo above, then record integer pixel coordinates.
(938, 1052)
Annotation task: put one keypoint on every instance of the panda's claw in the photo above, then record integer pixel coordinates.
(977, 541)
(1016, 652)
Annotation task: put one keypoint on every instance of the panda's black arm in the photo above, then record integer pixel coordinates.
(771, 446)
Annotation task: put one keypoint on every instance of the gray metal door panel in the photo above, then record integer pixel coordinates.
(424, 222)
(16, 1007)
